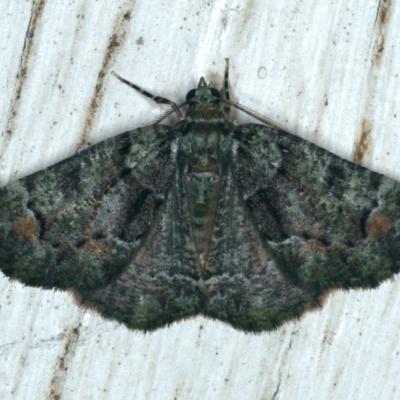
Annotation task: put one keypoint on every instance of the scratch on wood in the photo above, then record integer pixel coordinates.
(381, 22)
(36, 14)
(61, 369)
(363, 144)
(114, 43)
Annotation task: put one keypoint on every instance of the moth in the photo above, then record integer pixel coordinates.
(247, 224)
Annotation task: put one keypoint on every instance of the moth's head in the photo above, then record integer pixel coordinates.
(203, 95)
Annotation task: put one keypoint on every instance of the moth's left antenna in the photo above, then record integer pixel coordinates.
(157, 99)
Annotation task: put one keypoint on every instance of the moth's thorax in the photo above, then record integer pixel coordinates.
(204, 120)
(204, 113)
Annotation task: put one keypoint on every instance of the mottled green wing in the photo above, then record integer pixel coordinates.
(301, 221)
(80, 223)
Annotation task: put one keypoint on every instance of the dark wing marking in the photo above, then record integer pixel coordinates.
(320, 222)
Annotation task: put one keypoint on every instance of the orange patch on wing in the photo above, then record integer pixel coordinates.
(378, 226)
(26, 227)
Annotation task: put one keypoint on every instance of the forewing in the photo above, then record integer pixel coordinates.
(326, 222)
(295, 220)
(79, 223)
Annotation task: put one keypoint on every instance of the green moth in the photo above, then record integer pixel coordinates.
(247, 224)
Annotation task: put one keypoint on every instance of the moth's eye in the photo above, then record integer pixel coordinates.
(215, 93)
(190, 95)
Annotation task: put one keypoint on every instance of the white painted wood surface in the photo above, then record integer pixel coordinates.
(328, 71)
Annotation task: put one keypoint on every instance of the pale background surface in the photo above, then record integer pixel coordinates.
(328, 71)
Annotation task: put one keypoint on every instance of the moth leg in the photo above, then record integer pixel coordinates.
(157, 99)
(225, 89)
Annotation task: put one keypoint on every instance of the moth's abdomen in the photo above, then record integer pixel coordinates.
(203, 192)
